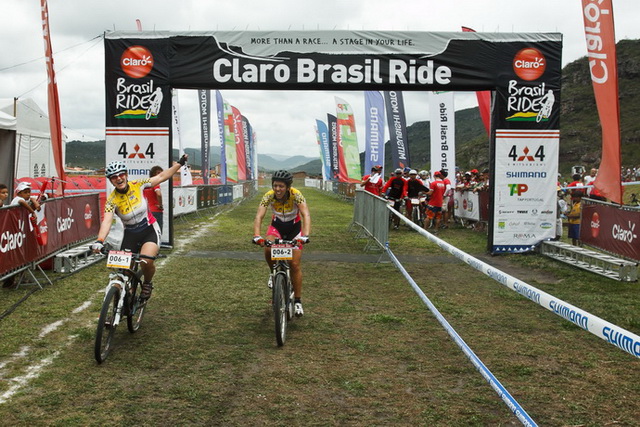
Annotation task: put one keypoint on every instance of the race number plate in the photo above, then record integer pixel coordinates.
(119, 259)
(279, 252)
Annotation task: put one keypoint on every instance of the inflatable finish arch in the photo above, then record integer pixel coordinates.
(523, 70)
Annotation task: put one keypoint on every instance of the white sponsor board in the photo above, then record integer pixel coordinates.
(525, 188)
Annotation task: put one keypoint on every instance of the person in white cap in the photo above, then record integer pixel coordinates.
(24, 199)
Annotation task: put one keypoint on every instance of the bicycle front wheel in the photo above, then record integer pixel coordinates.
(136, 307)
(280, 308)
(106, 327)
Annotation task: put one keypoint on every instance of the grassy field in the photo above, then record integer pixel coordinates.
(367, 352)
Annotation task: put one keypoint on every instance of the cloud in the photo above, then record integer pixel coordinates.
(280, 118)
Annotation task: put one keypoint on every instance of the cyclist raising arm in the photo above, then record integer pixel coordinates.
(290, 221)
(141, 231)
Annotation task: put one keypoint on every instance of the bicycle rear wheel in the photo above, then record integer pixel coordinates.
(136, 307)
(280, 308)
(106, 328)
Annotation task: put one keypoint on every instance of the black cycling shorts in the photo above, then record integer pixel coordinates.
(288, 230)
(133, 241)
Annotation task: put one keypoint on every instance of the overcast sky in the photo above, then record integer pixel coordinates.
(77, 27)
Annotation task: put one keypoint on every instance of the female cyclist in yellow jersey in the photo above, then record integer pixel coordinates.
(290, 221)
(141, 231)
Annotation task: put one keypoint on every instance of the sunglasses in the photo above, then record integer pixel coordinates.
(119, 175)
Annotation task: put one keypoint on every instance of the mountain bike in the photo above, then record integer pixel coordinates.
(282, 288)
(418, 205)
(122, 298)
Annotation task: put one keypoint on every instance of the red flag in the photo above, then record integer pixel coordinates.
(601, 48)
(484, 100)
(55, 123)
(240, 150)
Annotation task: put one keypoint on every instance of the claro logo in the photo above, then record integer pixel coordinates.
(136, 61)
(88, 216)
(529, 64)
(64, 224)
(10, 241)
(623, 234)
(595, 225)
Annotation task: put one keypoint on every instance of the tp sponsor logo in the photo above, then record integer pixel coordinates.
(518, 189)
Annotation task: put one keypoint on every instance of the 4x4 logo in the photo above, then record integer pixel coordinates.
(524, 154)
(149, 152)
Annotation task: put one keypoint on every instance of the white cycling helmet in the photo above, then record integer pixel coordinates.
(423, 173)
(115, 168)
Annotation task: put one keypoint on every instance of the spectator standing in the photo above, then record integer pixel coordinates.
(154, 198)
(373, 182)
(447, 198)
(574, 219)
(436, 197)
(4, 195)
(577, 182)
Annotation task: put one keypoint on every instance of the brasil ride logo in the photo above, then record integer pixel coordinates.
(529, 64)
(136, 61)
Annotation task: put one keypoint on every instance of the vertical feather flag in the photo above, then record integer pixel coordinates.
(601, 47)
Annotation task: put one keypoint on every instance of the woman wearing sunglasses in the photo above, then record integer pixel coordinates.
(141, 231)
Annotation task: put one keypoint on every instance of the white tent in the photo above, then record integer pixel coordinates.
(33, 154)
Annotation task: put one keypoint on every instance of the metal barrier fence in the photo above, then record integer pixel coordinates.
(371, 214)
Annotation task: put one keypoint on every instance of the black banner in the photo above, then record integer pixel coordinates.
(204, 98)
(399, 141)
(332, 126)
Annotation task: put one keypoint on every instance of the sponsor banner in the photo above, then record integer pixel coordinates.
(332, 125)
(374, 122)
(55, 123)
(347, 142)
(223, 151)
(241, 156)
(66, 220)
(399, 142)
(231, 155)
(525, 188)
(138, 149)
(466, 205)
(611, 228)
(443, 132)
(185, 200)
(207, 196)
(247, 132)
(204, 104)
(325, 149)
(601, 47)
(336, 60)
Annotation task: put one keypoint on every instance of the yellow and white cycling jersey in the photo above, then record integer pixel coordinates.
(284, 211)
(131, 207)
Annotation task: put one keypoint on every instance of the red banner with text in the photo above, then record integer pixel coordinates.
(61, 221)
(611, 228)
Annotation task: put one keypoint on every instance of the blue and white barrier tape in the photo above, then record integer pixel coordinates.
(621, 338)
(513, 405)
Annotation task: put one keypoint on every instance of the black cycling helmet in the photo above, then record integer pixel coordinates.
(283, 176)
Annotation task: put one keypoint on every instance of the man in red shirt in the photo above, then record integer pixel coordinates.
(436, 196)
(397, 187)
(373, 182)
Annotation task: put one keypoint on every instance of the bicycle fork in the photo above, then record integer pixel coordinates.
(117, 280)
